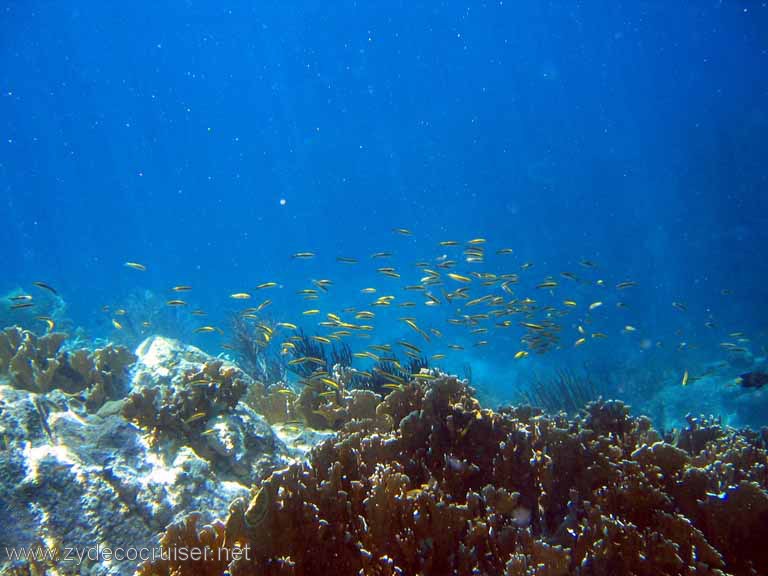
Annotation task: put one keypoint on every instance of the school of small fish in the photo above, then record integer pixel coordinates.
(477, 303)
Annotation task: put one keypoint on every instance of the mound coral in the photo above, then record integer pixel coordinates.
(427, 482)
(38, 364)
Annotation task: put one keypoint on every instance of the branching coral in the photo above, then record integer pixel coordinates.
(38, 364)
(430, 483)
(29, 360)
(331, 401)
(182, 411)
(327, 378)
(187, 536)
(325, 400)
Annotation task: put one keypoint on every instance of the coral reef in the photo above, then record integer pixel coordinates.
(427, 482)
(184, 398)
(80, 479)
(275, 403)
(250, 344)
(38, 364)
(70, 477)
(183, 410)
(329, 401)
(419, 479)
(305, 346)
(387, 371)
(323, 359)
(565, 390)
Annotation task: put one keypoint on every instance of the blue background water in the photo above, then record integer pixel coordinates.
(629, 133)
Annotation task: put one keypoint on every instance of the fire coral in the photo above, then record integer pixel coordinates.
(433, 484)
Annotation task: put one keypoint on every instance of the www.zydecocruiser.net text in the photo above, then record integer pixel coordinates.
(89, 554)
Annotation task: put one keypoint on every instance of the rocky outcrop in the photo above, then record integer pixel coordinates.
(70, 477)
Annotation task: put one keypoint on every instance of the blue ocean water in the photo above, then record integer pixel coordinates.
(211, 142)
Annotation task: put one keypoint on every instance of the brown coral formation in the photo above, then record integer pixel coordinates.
(182, 411)
(274, 403)
(430, 483)
(319, 405)
(330, 403)
(37, 364)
